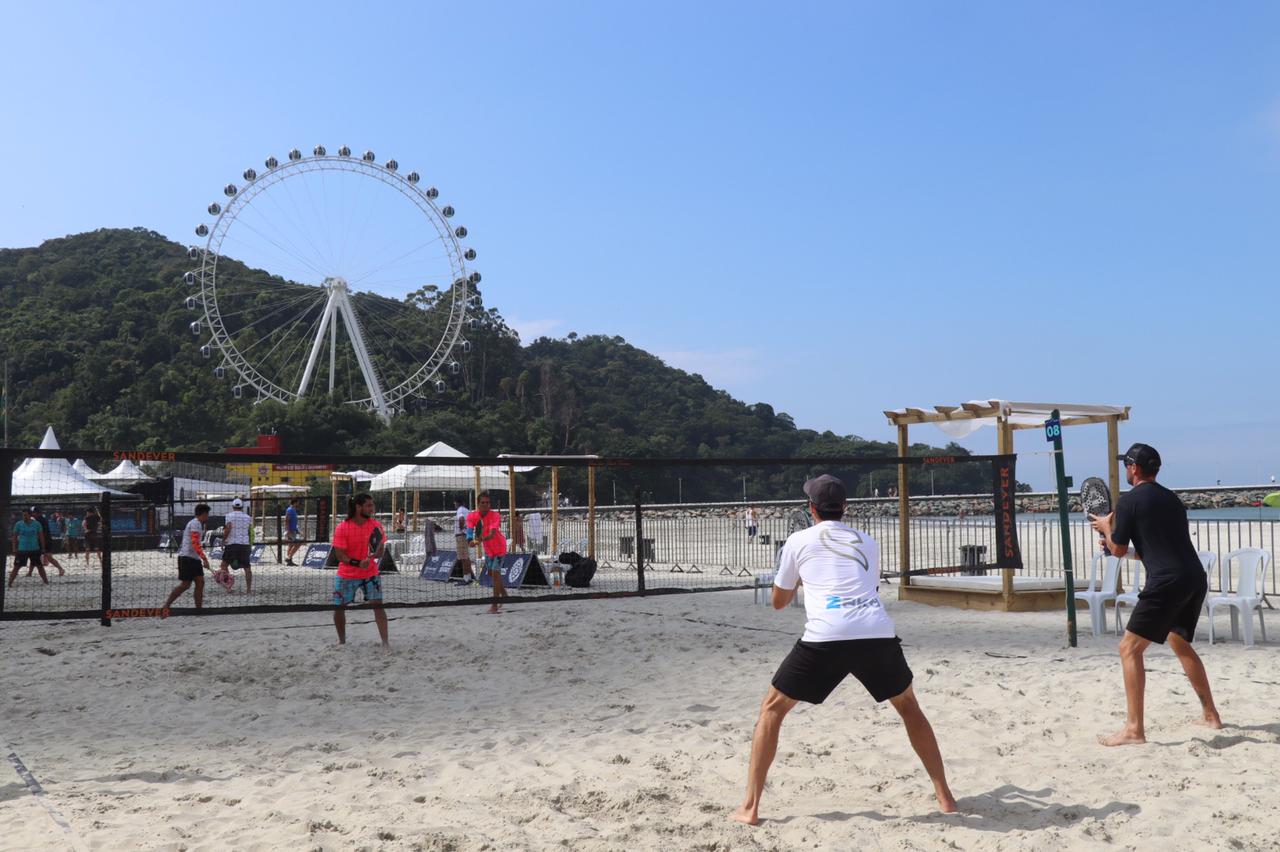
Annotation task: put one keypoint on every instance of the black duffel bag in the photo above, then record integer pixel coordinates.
(580, 574)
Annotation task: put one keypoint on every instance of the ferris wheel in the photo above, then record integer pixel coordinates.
(333, 263)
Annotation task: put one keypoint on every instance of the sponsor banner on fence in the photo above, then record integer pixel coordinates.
(518, 569)
(318, 556)
(1004, 486)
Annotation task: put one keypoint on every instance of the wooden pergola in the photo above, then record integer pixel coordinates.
(1007, 417)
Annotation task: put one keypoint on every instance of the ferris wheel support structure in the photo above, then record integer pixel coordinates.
(339, 306)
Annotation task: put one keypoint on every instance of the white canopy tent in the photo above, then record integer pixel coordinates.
(124, 474)
(440, 477)
(356, 475)
(82, 467)
(46, 478)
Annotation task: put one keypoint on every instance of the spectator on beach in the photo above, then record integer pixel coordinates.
(292, 533)
(484, 527)
(462, 541)
(1153, 520)
(749, 516)
(46, 554)
(74, 537)
(358, 543)
(237, 548)
(92, 534)
(398, 522)
(27, 544)
(192, 561)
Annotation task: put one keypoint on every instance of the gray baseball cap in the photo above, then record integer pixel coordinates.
(826, 493)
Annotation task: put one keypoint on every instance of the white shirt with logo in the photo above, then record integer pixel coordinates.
(239, 523)
(840, 568)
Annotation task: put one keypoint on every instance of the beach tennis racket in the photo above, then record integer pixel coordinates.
(1095, 499)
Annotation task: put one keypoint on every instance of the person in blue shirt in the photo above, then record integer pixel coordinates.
(292, 533)
(28, 543)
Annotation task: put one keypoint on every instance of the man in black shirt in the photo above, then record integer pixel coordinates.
(1153, 519)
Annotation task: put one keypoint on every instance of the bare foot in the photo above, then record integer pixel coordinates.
(947, 802)
(1123, 737)
(745, 816)
(1212, 722)
(495, 610)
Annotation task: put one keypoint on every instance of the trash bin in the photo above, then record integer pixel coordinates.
(971, 559)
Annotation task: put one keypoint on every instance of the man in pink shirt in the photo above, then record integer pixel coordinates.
(357, 545)
(484, 527)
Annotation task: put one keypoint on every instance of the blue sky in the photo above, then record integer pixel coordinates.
(834, 208)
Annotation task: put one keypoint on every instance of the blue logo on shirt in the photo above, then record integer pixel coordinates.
(839, 602)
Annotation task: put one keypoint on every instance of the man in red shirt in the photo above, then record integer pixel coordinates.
(484, 527)
(357, 545)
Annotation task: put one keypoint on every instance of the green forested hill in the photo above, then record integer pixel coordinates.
(96, 333)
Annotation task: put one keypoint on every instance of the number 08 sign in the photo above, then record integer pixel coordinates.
(1052, 429)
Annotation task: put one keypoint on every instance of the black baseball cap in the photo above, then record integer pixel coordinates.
(826, 493)
(1143, 455)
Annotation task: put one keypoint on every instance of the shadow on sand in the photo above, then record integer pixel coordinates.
(1006, 808)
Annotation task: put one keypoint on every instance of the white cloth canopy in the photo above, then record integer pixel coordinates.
(125, 473)
(82, 467)
(440, 477)
(278, 490)
(37, 477)
(357, 475)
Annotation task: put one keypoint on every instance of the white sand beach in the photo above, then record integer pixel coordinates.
(611, 724)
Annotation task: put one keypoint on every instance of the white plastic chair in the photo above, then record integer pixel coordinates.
(1130, 597)
(1248, 596)
(1097, 596)
(1209, 559)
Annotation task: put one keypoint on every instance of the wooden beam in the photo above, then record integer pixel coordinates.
(1113, 464)
(1004, 443)
(1069, 421)
(904, 508)
(591, 512)
(555, 512)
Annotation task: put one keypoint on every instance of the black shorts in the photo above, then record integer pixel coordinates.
(813, 669)
(1168, 608)
(28, 557)
(237, 555)
(190, 568)
(92, 541)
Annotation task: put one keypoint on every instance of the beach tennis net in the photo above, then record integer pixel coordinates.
(574, 526)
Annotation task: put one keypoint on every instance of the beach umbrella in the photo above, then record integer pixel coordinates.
(1272, 499)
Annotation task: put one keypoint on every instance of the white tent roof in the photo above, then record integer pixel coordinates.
(440, 477)
(38, 477)
(357, 475)
(82, 467)
(278, 490)
(125, 473)
(968, 417)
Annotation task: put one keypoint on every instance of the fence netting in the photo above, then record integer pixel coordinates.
(110, 525)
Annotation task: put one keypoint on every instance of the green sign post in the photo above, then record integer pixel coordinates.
(1053, 434)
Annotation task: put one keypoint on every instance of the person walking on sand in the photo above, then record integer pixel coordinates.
(27, 543)
(847, 632)
(292, 534)
(1153, 520)
(192, 561)
(46, 553)
(237, 549)
(484, 526)
(357, 545)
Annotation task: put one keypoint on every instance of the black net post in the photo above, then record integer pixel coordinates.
(106, 558)
(639, 544)
(279, 535)
(6, 485)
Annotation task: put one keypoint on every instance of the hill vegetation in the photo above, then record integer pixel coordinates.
(95, 330)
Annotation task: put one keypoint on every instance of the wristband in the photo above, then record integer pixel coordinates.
(354, 562)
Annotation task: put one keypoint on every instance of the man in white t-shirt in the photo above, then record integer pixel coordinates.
(461, 543)
(192, 561)
(847, 633)
(236, 546)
